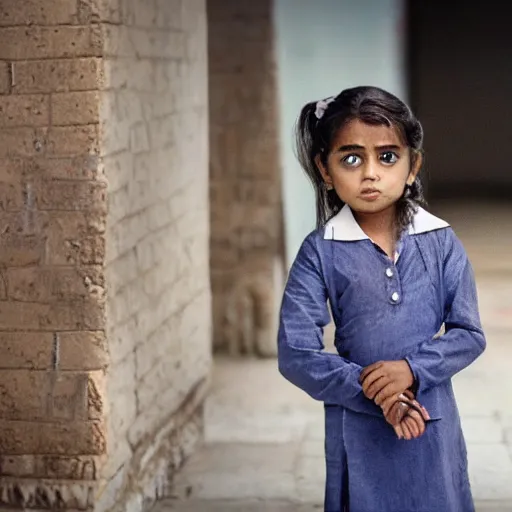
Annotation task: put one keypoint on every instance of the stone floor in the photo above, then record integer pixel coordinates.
(263, 449)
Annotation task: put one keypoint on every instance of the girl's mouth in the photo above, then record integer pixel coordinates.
(370, 194)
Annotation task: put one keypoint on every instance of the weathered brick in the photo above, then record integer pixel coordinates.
(149, 44)
(76, 438)
(37, 495)
(73, 140)
(24, 222)
(66, 468)
(30, 284)
(72, 249)
(100, 10)
(68, 398)
(21, 250)
(92, 251)
(22, 316)
(71, 225)
(83, 314)
(52, 76)
(87, 314)
(24, 394)
(5, 79)
(139, 138)
(26, 350)
(33, 42)
(11, 196)
(86, 282)
(49, 467)
(34, 12)
(75, 237)
(96, 394)
(3, 287)
(17, 465)
(83, 350)
(11, 170)
(122, 408)
(35, 284)
(136, 77)
(22, 142)
(84, 167)
(73, 195)
(170, 14)
(74, 108)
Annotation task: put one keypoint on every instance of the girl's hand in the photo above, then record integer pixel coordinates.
(407, 416)
(383, 380)
(411, 427)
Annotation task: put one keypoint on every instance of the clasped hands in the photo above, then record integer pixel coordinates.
(388, 384)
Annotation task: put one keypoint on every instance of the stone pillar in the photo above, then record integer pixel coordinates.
(245, 170)
(52, 221)
(104, 313)
(155, 153)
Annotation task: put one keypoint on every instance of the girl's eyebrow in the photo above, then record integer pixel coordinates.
(350, 147)
(357, 147)
(387, 147)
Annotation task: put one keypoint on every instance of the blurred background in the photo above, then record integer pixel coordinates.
(150, 208)
(452, 63)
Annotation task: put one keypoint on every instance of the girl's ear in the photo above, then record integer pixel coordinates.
(417, 162)
(323, 170)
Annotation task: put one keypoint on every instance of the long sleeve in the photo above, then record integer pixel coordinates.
(301, 356)
(438, 360)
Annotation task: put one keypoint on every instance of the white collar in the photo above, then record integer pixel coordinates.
(343, 227)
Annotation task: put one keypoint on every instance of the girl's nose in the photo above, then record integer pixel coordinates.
(370, 172)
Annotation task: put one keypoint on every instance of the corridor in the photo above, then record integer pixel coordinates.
(263, 448)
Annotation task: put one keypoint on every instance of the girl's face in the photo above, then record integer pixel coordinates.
(369, 166)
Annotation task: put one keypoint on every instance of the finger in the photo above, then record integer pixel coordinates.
(407, 432)
(412, 427)
(409, 394)
(386, 392)
(399, 431)
(376, 387)
(396, 414)
(418, 420)
(371, 379)
(368, 370)
(413, 404)
(388, 403)
(424, 412)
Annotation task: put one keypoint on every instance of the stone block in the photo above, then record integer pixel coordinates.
(36, 42)
(73, 140)
(27, 110)
(26, 350)
(51, 76)
(75, 108)
(83, 350)
(33, 12)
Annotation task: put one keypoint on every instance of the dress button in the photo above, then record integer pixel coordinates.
(395, 297)
(389, 272)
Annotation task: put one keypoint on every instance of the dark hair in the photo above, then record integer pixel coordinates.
(370, 105)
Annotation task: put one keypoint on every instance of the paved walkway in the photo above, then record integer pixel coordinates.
(263, 448)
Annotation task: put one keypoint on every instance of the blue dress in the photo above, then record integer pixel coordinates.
(384, 310)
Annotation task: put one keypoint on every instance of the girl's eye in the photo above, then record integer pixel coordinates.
(389, 158)
(352, 160)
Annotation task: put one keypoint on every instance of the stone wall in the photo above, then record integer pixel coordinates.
(245, 187)
(52, 237)
(155, 154)
(104, 315)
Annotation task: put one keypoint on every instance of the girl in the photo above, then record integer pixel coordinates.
(393, 275)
